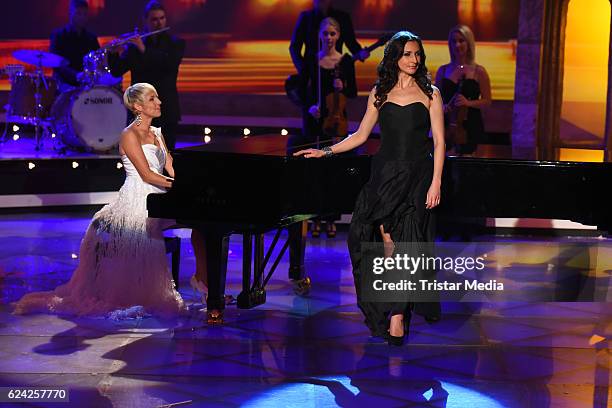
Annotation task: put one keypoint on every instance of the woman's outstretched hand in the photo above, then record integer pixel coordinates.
(310, 153)
(433, 196)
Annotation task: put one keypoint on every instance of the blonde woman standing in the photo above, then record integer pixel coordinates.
(464, 85)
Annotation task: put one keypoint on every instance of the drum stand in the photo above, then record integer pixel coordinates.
(5, 133)
(7, 108)
(40, 77)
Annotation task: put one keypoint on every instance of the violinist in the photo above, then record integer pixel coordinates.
(327, 121)
(466, 89)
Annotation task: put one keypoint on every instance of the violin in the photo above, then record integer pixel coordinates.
(336, 122)
(455, 133)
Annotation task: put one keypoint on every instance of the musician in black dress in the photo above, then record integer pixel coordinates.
(326, 122)
(306, 37)
(73, 42)
(304, 48)
(464, 83)
(337, 72)
(155, 60)
(396, 204)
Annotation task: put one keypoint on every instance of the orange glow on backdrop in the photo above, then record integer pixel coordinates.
(267, 4)
(465, 10)
(480, 15)
(484, 9)
(260, 67)
(378, 6)
(273, 11)
(585, 78)
(192, 3)
(375, 11)
(95, 6)
(581, 155)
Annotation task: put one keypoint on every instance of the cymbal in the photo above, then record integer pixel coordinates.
(40, 58)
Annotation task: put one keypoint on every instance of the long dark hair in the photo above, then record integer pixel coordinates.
(388, 71)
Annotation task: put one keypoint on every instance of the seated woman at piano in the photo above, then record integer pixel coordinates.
(327, 120)
(123, 270)
(396, 203)
(466, 89)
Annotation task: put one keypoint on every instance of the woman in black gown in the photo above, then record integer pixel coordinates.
(395, 205)
(463, 83)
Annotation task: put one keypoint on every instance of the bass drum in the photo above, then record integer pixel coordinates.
(22, 97)
(90, 119)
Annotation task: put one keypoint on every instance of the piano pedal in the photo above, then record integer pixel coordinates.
(252, 298)
(316, 229)
(301, 287)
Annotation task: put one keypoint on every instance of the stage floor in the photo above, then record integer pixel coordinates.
(299, 352)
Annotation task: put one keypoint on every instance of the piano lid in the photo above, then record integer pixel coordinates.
(268, 145)
(265, 145)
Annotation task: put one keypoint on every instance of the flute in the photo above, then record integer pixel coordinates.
(123, 39)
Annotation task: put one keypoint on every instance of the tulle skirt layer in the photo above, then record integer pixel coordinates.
(122, 271)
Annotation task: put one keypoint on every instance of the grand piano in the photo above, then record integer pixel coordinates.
(221, 193)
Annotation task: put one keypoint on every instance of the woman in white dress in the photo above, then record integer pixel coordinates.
(123, 270)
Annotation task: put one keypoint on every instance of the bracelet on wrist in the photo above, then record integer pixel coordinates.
(328, 151)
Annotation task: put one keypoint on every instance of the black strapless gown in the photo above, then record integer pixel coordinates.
(395, 197)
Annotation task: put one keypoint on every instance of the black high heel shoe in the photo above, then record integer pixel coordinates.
(398, 341)
(395, 340)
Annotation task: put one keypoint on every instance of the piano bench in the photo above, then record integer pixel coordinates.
(173, 246)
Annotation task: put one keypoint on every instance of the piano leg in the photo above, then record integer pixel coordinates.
(258, 258)
(252, 259)
(297, 249)
(217, 245)
(247, 252)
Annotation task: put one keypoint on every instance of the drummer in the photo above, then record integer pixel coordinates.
(73, 42)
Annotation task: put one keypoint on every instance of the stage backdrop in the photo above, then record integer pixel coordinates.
(241, 46)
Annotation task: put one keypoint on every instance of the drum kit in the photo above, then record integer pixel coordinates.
(89, 117)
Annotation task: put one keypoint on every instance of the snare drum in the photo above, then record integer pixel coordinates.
(22, 97)
(96, 70)
(90, 119)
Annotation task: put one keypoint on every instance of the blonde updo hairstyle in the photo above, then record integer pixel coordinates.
(136, 94)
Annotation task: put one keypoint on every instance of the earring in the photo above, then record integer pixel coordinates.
(138, 119)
